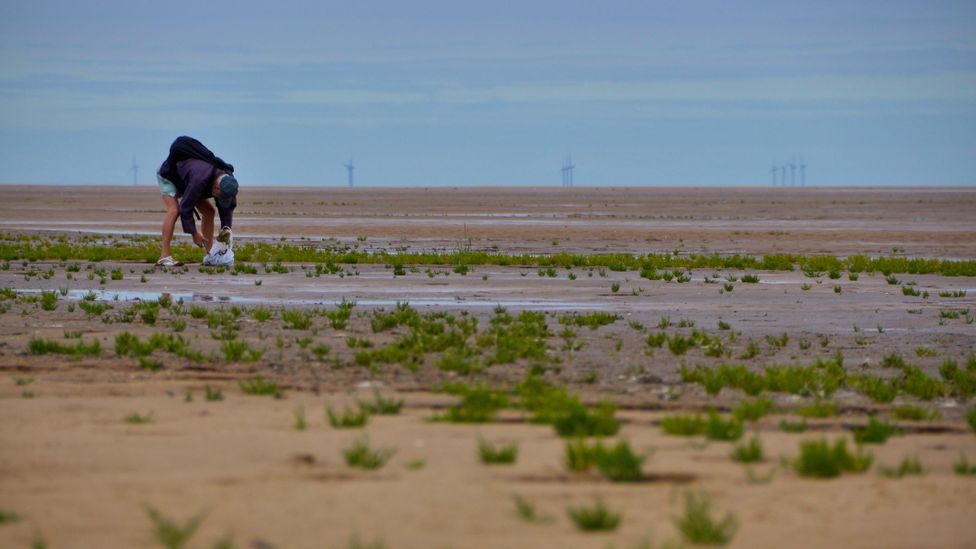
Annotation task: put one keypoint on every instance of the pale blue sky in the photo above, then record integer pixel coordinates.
(467, 93)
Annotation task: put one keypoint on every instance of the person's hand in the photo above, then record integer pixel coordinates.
(199, 240)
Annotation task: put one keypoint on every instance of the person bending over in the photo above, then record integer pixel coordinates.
(189, 176)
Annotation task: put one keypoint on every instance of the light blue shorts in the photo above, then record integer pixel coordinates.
(166, 187)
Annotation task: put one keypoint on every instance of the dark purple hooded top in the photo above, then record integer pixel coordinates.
(192, 168)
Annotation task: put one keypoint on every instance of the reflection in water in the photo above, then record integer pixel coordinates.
(129, 295)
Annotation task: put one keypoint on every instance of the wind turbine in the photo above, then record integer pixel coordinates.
(135, 171)
(773, 171)
(792, 174)
(569, 171)
(350, 167)
(803, 173)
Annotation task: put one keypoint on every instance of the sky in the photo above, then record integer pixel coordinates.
(452, 92)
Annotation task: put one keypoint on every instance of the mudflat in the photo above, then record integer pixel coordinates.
(113, 368)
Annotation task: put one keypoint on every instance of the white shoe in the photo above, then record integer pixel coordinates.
(168, 261)
(226, 237)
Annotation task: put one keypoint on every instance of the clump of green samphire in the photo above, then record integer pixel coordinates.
(748, 452)
(697, 525)
(908, 466)
(594, 518)
(875, 432)
(260, 386)
(348, 418)
(491, 454)
(171, 534)
(41, 346)
(479, 404)
(819, 459)
(381, 405)
(360, 455)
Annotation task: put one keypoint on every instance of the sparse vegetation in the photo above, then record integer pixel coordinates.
(908, 466)
(963, 468)
(360, 455)
(593, 518)
(171, 534)
(381, 405)
(875, 432)
(135, 418)
(748, 452)
(491, 454)
(347, 418)
(820, 459)
(697, 526)
(260, 386)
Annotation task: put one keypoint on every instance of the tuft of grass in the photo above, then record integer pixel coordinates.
(619, 463)
(479, 404)
(818, 409)
(875, 432)
(719, 428)
(360, 455)
(594, 518)
(7, 517)
(41, 346)
(260, 386)
(580, 456)
(171, 534)
(137, 419)
(525, 510)
(951, 294)
(683, 425)
(296, 319)
(591, 320)
(492, 455)
(962, 467)
(908, 466)
(416, 464)
(348, 418)
(576, 420)
(750, 278)
(971, 418)
(261, 314)
(213, 395)
(49, 300)
(752, 410)
(818, 459)
(381, 405)
(876, 388)
(656, 339)
(299, 415)
(778, 341)
(751, 351)
(914, 413)
(697, 526)
(749, 452)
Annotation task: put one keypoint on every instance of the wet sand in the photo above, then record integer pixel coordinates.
(927, 222)
(79, 476)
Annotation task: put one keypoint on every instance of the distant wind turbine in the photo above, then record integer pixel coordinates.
(773, 171)
(803, 173)
(350, 167)
(568, 171)
(135, 171)
(792, 174)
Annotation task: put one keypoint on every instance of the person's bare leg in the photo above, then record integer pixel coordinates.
(169, 222)
(207, 212)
